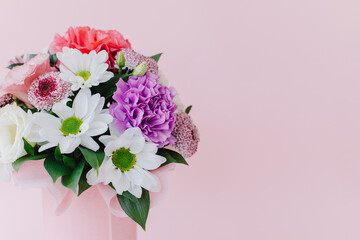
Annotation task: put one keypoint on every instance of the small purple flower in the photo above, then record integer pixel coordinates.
(143, 103)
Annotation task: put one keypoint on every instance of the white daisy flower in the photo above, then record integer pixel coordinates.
(74, 126)
(128, 157)
(83, 70)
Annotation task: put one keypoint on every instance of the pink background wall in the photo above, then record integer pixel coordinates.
(276, 92)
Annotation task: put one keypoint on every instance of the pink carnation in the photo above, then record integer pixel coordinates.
(87, 39)
(47, 90)
(187, 135)
(19, 79)
(5, 99)
(132, 59)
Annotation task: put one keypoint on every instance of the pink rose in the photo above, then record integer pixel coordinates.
(19, 79)
(87, 39)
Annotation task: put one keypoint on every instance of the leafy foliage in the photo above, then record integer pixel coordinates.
(95, 159)
(188, 109)
(83, 184)
(28, 148)
(14, 65)
(137, 211)
(53, 60)
(55, 168)
(156, 57)
(17, 164)
(71, 180)
(171, 156)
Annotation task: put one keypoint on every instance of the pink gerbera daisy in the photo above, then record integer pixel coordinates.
(47, 90)
(187, 135)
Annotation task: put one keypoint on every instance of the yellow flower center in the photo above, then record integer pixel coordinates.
(71, 125)
(123, 159)
(84, 74)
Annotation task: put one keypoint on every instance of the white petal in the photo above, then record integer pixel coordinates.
(136, 191)
(93, 102)
(97, 128)
(106, 118)
(86, 91)
(115, 145)
(122, 184)
(51, 135)
(106, 77)
(102, 56)
(89, 143)
(63, 111)
(106, 139)
(113, 130)
(92, 178)
(100, 105)
(69, 144)
(149, 161)
(137, 144)
(132, 132)
(45, 119)
(135, 176)
(80, 105)
(150, 148)
(47, 146)
(151, 182)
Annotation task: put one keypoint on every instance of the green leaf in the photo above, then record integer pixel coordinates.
(188, 109)
(68, 161)
(55, 168)
(32, 56)
(71, 181)
(14, 65)
(171, 156)
(83, 184)
(128, 195)
(16, 165)
(136, 211)
(95, 159)
(100, 156)
(53, 60)
(156, 57)
(58, 153)
(108, 88)
(28, 148)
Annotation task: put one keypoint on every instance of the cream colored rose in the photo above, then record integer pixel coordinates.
(178, 102)
(163, 81)
(14, 125)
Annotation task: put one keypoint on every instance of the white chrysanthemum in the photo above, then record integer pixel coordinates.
(83, 70)
(74, 126)
(15, 124)
(127, 161)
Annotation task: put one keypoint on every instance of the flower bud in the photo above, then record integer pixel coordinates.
(140, 70)
(120, 60)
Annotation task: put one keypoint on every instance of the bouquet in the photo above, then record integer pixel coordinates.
(96, 112)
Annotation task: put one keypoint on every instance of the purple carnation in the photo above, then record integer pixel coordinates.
(143, 103)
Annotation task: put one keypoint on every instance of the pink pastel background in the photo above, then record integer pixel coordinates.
(276, 92)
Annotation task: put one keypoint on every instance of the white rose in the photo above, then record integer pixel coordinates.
(162, 80)
(178, 102)
(14, 125)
